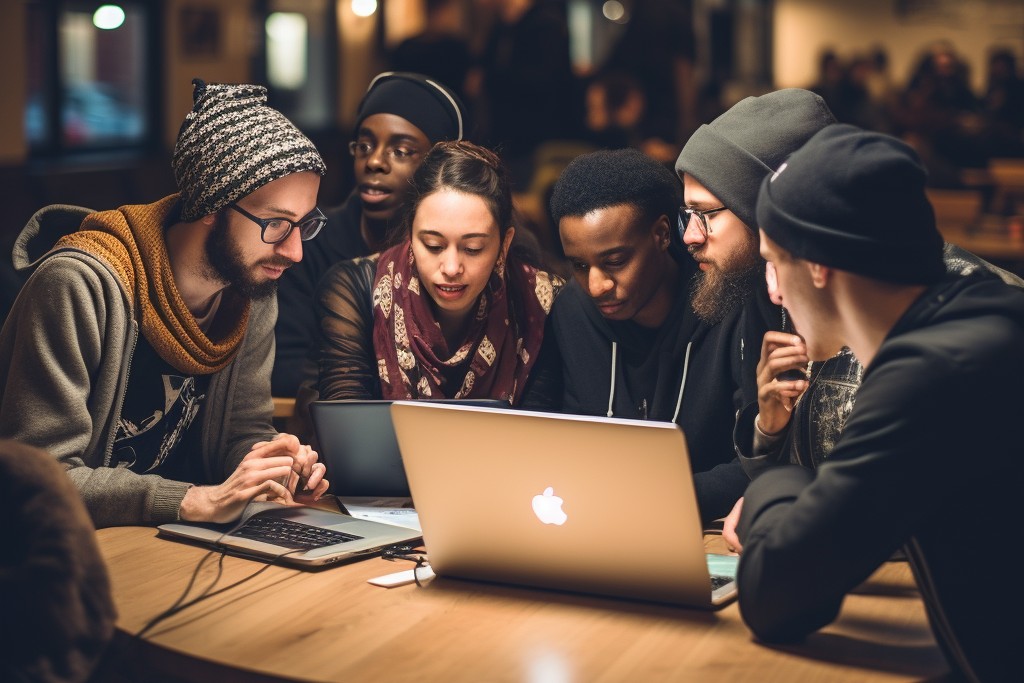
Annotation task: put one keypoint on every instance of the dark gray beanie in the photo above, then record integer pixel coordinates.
(732, 154)
(422, 101)
(854, 200)
(231, 144)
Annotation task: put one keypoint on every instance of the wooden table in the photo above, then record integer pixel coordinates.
(331, 625)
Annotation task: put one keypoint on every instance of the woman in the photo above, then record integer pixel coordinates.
(449, 311)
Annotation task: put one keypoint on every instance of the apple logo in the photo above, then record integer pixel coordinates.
(548, 507)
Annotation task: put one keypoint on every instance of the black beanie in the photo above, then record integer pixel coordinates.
(732, 154)
(855, 200)
(422, 101)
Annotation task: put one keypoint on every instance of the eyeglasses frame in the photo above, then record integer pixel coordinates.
(264, 223)
(685, 214)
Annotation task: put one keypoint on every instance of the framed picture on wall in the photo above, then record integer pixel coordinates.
(200, 32)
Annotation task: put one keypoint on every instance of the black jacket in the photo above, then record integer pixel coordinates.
(702, 369)
(296, 323)
(930, 460)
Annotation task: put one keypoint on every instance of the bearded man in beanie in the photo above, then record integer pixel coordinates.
(399, 119)
(138, 353)
(848, 229)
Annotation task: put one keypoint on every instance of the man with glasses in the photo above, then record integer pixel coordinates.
(399, 119)
(139, 351)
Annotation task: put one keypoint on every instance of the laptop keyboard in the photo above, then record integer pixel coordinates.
(289, 534)
(719, 581)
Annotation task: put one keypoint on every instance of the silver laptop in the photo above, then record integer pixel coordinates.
(585, 504)
(356, 442)
(300, 536)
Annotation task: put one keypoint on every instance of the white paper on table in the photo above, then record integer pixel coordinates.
(394, 511)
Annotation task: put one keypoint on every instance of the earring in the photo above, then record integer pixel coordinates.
(499, 266)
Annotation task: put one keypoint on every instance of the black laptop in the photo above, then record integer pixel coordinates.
(357, 443)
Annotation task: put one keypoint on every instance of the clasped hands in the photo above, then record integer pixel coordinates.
(280, 470)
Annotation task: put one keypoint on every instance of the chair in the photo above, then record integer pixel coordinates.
(57, 611)
(284, 408)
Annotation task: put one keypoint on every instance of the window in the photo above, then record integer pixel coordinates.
(89, 85)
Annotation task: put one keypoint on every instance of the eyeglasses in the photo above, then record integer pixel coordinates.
(274, 230)
(361, 149)
(686, 213)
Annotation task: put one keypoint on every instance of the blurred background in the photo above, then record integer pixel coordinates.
(94, 93)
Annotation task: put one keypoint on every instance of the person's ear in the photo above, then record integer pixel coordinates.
(662, 231)
(819, 274)
(506, 243)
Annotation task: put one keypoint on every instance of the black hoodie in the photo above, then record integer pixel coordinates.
(931, 460)
(685, 371)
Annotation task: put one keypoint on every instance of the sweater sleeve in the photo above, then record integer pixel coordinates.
(348, 363)
(64, 346)
(892, 469)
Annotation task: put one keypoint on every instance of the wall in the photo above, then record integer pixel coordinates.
(229, 63)
(13, 53)
(803, 28)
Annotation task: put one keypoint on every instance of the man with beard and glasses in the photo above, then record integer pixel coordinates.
(138, 353)
(629, 341)
(400, 118)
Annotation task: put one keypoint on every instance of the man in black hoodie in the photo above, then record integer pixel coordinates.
(630, 344)
(848, 229)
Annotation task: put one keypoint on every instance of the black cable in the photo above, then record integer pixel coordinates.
(179, 605)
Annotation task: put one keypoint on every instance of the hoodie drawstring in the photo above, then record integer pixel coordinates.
(682, 382)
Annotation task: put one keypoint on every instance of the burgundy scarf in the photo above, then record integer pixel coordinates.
(413, 359)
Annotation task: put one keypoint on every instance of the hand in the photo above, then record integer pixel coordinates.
(780, 351)
(729, 528)
(305, 483)
(259, 476)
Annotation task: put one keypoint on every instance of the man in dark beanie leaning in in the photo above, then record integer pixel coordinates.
(930, 458)
(399, 119)
(138, 353)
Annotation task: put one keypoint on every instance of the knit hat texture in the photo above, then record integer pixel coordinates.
(732, 154)
(855, 201)
(422, 101)
(231, 144)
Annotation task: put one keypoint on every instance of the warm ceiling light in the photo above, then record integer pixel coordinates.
(108, 17)
(364, 8)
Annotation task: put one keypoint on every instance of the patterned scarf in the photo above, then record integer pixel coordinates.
(131, 241)
(413, 359)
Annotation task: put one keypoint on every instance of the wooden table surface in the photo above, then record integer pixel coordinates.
(331, 625)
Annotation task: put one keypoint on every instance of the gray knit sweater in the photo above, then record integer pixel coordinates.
(65, 354)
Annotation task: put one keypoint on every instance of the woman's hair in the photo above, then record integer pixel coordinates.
(462, 167)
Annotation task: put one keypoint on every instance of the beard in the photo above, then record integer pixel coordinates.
(228, 264)
(717, 292)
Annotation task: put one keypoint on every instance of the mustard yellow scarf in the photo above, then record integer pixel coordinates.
(131, 240)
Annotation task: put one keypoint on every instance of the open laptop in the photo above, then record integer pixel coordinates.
(300, 536)
(356, 442)
(584, 504)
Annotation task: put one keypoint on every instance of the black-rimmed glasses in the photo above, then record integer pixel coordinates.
(274, 230)
(686, 213)
(361, 149)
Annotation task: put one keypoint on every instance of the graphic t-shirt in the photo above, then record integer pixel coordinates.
(159, 416)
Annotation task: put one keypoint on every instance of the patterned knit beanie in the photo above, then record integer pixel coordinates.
(231, 144)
